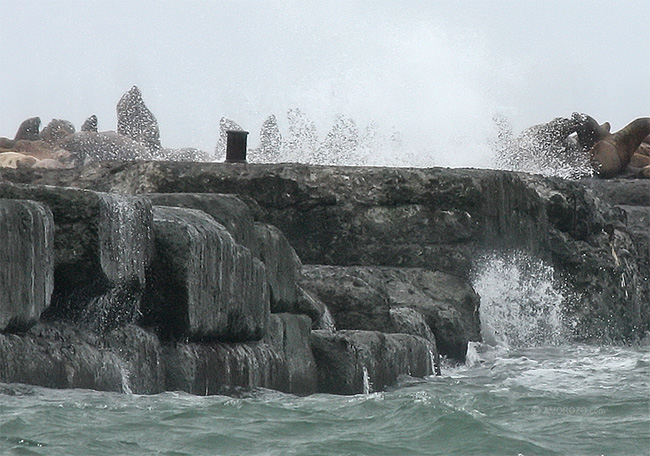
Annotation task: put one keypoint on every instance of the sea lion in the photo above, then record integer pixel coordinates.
(639, 165)
(50, 163)
(136, 121)
(90, 124)
(639, 161)
(56, 130)
(7, 144)
(39, 149)
(16, 160)
(610, 156)
(87, 146)
(29, 129)
(644, 147)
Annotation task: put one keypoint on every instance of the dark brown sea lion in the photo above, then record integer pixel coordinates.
(136, 121)
(29, 129)
(56, 130)
(90, 124)
(7, 144)
(611, 155)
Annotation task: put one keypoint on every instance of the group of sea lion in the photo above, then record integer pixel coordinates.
(570, 140)
(58, 145)
(32, 148)
(580, 142)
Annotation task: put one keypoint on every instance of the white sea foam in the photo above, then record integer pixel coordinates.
(521, 301)
(367, 384)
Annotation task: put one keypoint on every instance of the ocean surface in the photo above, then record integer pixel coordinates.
(527, 391)
(559, 400)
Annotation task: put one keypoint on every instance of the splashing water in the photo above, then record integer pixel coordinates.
(346, 143)
(521, 302)
(541, 149)
(326, 321)
(126, 376)
(367, 384)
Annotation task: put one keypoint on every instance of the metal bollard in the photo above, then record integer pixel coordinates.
(236, 146)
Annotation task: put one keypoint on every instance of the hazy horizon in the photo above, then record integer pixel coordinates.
(435, 72)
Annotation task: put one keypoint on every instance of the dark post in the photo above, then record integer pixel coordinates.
(236, 146)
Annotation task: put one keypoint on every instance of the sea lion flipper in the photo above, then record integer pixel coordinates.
(610, 156)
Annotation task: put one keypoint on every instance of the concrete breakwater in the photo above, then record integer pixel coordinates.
(204, 277)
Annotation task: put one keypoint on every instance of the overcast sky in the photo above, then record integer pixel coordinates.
(435, 71)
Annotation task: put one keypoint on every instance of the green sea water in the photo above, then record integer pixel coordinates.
(559, 400)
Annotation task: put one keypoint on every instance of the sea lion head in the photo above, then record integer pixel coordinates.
(589, 131)
(603, 130)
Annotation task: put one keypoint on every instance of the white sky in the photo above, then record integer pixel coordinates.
(436, 71)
